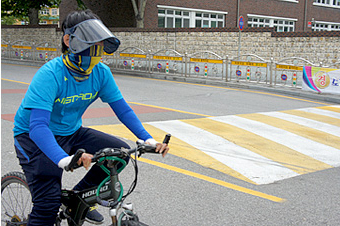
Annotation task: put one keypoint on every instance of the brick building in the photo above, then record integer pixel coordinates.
(284, 15)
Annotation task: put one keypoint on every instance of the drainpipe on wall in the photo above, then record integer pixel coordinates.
(305, 17)
(238, 12)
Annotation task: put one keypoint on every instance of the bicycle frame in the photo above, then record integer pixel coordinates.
(76, 203)
(108, 193)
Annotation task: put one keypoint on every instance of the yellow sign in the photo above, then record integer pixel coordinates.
(132, 55)
(108, 54)
(253, 64)
(21, 47)
(206, 60)
(46, 49)
(168, 58)
(288, 67)
(3, 45)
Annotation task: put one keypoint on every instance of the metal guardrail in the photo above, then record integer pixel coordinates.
(205, 64)
(21, 50)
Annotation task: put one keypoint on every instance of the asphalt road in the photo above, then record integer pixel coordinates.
(177, 190)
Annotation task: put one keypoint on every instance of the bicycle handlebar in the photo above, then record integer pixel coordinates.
(141, 147)
(73, 164)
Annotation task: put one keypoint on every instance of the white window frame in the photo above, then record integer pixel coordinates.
(327, 3)
(213, 16)
(54, 11)
(325, 26)
(282, 24)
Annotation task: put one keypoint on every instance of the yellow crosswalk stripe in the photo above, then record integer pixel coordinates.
(330, 108)
(186, 151)
(313, 116)
(117, 130)
(309, 133)
(289, 158)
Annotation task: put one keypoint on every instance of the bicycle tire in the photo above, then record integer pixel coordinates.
(16, 199)
(128, 218)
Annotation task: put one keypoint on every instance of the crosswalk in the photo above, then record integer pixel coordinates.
(258, 148)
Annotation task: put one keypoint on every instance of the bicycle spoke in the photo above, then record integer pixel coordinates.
(17, 201)
(7, 192)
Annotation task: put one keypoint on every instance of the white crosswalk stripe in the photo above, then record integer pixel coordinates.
(322, 112)
(324, 127)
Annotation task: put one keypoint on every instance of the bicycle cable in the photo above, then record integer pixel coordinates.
(134, 183)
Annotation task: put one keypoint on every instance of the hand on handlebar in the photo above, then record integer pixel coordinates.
(80, 158)
(86, 160)
(162, 148)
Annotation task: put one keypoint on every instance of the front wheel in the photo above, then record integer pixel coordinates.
(16, 200)
(128, 218)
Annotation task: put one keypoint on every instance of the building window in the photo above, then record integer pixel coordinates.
(176, 17)
(325, 26)
(327, 3)
(280, 24)
(44, 12)
(209, 20)
(54, 12)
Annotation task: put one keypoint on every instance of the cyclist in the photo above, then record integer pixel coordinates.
(48, 127)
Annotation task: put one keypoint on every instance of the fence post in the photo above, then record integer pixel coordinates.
(186, 63)
(149, 60)
(226, 68)
(271, 71)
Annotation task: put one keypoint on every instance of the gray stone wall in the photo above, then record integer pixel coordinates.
(263, 44)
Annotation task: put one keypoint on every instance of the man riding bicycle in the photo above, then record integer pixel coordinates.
(48, 126)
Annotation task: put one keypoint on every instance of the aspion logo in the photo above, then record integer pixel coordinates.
(72, 99)
(322, 79)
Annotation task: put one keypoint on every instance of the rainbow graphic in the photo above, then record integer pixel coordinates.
(308, 79)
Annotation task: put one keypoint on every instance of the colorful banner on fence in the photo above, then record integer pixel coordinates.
(322, 80)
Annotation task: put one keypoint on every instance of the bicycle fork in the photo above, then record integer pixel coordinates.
(116, 192)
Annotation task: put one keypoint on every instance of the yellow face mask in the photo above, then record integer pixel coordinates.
(82, 64)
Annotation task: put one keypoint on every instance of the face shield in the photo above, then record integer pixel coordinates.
(89, 32)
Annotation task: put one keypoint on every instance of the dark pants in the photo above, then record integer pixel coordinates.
(44, 177)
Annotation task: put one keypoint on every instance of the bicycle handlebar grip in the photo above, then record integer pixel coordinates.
(73, 164)
(166, 139)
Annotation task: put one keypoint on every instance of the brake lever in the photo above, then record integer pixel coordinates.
(143, 148)
(73, 164)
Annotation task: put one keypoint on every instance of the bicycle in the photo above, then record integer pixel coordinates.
(16, 199)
